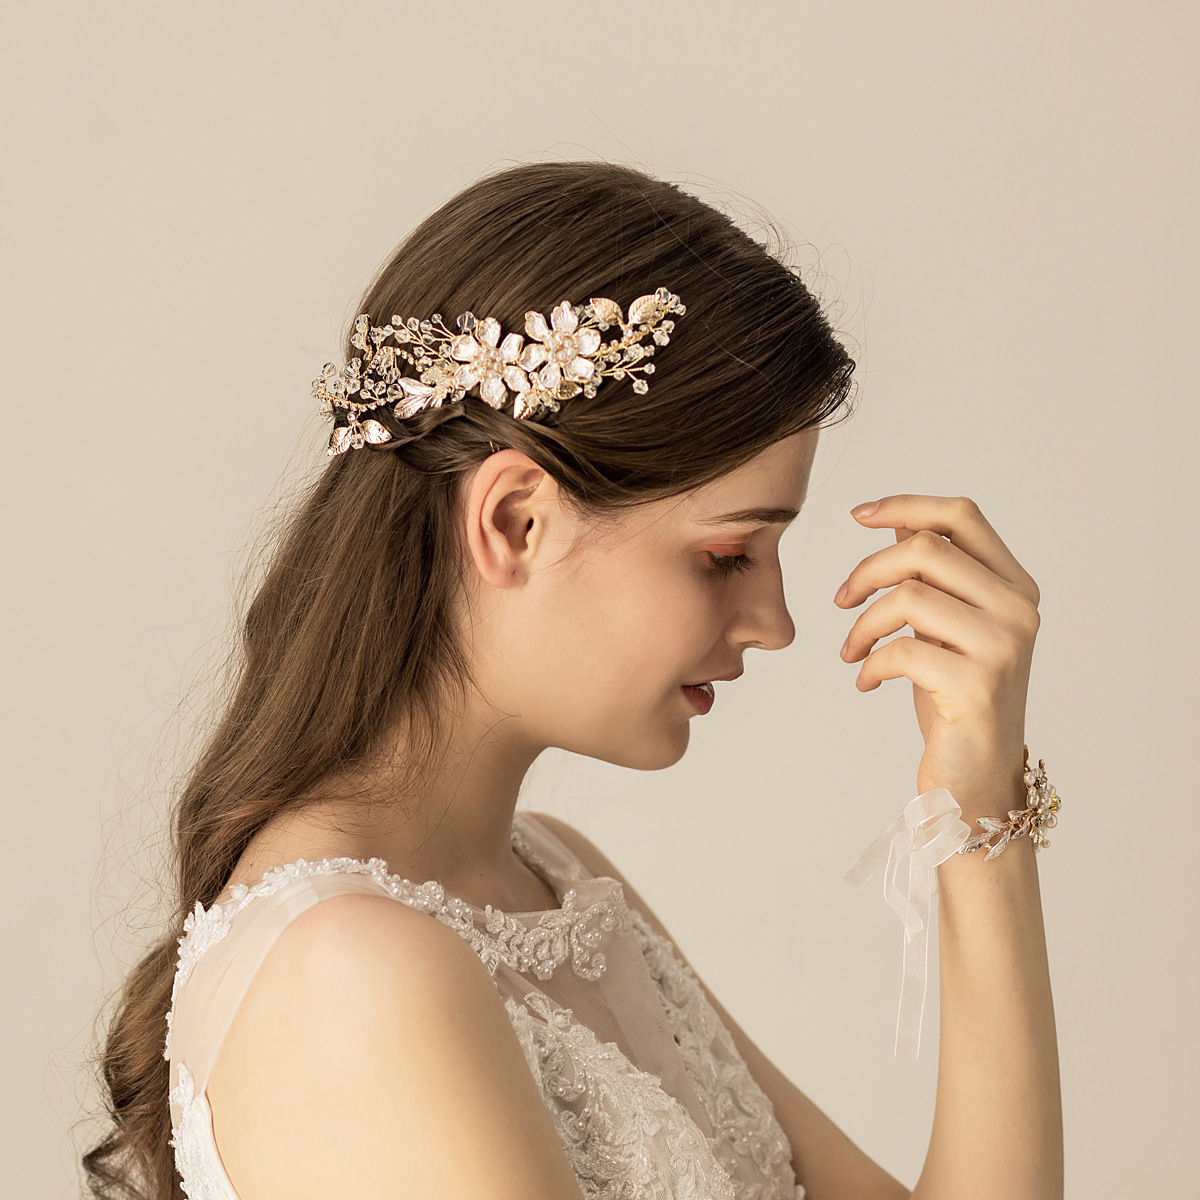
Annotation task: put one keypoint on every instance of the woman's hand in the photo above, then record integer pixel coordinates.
(973, 610)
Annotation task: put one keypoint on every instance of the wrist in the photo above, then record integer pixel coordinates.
(1034, 811)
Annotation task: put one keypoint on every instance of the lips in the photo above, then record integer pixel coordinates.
(718, 678)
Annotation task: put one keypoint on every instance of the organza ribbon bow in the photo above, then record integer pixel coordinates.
(927, 832)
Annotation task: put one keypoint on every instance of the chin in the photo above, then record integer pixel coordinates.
(638, 742)
(653, 754)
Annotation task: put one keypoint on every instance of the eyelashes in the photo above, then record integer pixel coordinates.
(727, 564)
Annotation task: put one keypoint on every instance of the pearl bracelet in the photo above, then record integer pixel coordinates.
(1039, 815)
(926, 834)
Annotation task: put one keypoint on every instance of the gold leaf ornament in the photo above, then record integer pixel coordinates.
(607, 311)
(643, 309)
(355, 435)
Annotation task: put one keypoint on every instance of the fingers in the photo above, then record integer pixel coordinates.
(937, 616)
(959, 519)
(971, 605)
(930, 557)
(952, 680)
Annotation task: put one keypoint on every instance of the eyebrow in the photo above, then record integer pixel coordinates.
(761, 516)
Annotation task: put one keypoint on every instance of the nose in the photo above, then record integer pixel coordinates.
(761, 616)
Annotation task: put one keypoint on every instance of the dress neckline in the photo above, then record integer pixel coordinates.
(559, 880)
(539, 941)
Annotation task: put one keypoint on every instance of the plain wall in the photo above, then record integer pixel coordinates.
(998, 200)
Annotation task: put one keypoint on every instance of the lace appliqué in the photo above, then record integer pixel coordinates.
(624, 1136)
(571, 932)
(196, 1157)
(544, 946)
(740, 1112)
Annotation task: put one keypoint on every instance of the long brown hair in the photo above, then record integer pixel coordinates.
(351, 634)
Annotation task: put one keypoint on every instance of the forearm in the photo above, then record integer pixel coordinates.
(997, 1126)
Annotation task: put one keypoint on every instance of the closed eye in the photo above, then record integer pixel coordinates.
(727, 564)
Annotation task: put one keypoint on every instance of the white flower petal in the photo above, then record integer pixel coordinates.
(516, 379)
(511, 347)
(550, 376)
(533, 355)
(535, 326)
(489, 331)
(563, 317)
(493, 391)
(464, 347)
(581, 368)
(587, 341)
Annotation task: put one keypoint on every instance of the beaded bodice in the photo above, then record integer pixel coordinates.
(644, 1084)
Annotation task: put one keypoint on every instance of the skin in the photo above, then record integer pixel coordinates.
(587, 653)
(636, 616)
(997, 1127)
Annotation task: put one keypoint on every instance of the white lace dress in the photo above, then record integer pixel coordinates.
(644, 1084)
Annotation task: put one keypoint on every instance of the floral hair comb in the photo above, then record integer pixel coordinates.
(561, 359)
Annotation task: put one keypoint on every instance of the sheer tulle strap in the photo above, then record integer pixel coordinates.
(207, 1002)
(549, 850)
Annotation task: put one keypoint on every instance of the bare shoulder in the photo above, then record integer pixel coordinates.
(825, 1159)
(372, 1056)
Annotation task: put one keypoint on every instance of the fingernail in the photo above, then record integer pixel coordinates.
(864, 510)
(841, 592)
(842, 651)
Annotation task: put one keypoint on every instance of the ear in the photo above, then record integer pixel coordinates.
(507, 504)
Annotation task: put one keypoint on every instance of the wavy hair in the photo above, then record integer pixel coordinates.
(349, 639)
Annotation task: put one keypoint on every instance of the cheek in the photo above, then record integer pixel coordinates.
(631, 635)
(627, 624)
(656, 624)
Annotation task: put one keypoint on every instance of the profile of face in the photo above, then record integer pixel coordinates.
(590, 651)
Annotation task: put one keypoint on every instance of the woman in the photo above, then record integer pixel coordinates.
(551, 519)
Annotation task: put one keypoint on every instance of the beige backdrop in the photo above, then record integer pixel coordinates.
(1001, 198)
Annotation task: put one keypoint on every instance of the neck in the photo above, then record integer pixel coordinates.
(457, 830)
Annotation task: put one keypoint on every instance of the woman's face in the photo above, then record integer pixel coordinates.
(590, 652)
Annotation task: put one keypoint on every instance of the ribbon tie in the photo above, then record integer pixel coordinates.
(928, 831)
